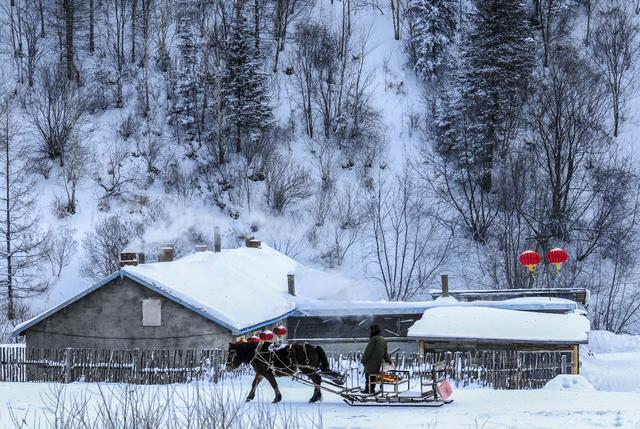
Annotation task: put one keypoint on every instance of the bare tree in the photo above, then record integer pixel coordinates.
(22, 242)
(346, 222)
(408, 244)
(287, 184)
(118, 177)
(615, 51)
(74, 168)
(55, 112)
(102, 247)
(548, 13)
(61, 247)
(116, 17)
(567, 120)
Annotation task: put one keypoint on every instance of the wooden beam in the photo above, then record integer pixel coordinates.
(576, 359)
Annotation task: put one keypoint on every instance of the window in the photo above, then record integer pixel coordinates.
(151, 312)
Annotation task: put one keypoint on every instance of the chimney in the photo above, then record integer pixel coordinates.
(201, 248)
(291, 284)
(217, 245)
(167, 253)
(253, 244)
(128, 258)
(445, 285)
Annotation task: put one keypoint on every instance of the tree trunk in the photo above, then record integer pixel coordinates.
(41, 13)
(133, 30)
(92, 45)
(69, 16)
(10, 303)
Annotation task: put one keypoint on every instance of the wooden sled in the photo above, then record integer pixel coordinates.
(395, 390)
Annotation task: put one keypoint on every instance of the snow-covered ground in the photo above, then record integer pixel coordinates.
(472, 408)
(606, 396)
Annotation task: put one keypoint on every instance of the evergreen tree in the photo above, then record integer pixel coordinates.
(432, 30)
(497, 61)
(246, 96)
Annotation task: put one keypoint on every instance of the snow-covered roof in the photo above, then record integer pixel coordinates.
(494, 325)
(579, 295)
(343, 308)
(326, 308)
(545, 304)
(241, 289)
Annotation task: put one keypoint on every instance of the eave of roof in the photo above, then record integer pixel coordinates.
(474, 340)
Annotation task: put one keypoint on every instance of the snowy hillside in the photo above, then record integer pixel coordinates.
(389, 141)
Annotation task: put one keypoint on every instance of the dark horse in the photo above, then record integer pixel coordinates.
(270, 361)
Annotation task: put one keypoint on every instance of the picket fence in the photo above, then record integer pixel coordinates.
(496, 369)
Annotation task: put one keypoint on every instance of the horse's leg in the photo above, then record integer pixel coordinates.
(317, 393)
(256, 381)
(272, 380)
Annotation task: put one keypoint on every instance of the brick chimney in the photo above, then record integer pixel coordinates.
(291, 284)
(167, 253)
(445, 285)
(253, 244)
(129, 258)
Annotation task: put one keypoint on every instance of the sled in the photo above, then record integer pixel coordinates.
(395, 389)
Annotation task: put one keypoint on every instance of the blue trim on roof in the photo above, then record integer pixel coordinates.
(19, 329)
(268, 322)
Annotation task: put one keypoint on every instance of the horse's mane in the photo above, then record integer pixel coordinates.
(245, 351)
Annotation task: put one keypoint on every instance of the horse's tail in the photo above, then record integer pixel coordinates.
(326, 370)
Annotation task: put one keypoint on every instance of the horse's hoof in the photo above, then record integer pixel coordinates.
(248, 400)
(278, 399)
(314, 400)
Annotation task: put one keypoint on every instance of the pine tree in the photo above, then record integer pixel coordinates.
(246, 96)
(497, 60)
(432, 27)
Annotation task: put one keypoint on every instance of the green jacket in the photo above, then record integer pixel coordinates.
(374, 354)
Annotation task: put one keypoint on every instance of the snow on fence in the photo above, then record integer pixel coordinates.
(119, 366)
(505, 369)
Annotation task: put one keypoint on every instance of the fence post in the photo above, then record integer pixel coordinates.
(68, 365)
(136, 366)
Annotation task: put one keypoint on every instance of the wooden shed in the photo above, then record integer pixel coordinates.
(513, 349)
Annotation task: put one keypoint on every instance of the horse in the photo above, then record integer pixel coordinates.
(270, 361)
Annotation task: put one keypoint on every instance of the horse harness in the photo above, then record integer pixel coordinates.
(293, 361)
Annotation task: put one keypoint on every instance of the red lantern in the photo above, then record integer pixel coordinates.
(557, 257)
(266, 335)
(253, 339)
(530, 259)
(280, 331)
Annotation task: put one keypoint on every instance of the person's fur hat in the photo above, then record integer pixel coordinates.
(375, 330)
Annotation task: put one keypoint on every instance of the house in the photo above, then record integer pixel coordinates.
(519, 346)
(204, 300)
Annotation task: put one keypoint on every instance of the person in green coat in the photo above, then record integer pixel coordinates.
(374, 354)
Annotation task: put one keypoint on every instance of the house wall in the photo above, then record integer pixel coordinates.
(111, 318)
(351, 333)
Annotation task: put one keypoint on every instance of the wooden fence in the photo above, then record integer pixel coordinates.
(505, 369)
(118, 366)
(496, 369)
